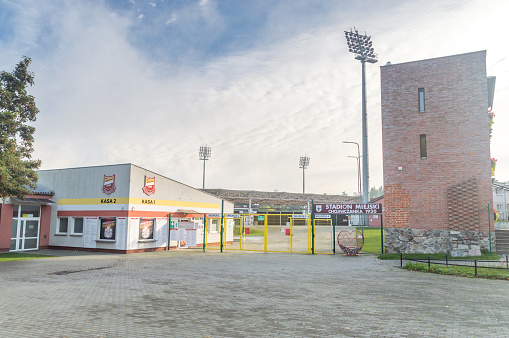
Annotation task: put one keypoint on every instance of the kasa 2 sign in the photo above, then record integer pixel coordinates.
(345, 208)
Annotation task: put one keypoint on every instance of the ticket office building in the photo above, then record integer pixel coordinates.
(24, 223)
(125, 208)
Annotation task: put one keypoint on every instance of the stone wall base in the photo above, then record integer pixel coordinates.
(455, 243)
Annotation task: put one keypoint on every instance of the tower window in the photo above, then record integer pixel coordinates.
(424, 152)
(421, 100)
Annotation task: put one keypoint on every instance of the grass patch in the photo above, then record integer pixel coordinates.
(16, 256)
(372, 240)
(459, 271)
(252, 232)
(486, 256)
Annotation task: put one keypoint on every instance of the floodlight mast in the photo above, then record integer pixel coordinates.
(204, 156)
(303, 163)
(361, 46)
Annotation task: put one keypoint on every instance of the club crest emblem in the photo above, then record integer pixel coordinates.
(109, 185)
(318, 208)
(150, 185)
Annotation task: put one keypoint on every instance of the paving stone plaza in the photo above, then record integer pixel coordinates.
(241, 294)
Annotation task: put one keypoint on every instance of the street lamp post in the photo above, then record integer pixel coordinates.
(361, 46)
(204, 156)
(359, 185)
(303, 163)
(358, 175)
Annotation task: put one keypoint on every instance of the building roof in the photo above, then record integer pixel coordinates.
(277, 198)
(376, 199)
(40, 190)
(500, 185)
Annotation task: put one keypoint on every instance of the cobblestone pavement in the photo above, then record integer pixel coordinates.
(241, 294)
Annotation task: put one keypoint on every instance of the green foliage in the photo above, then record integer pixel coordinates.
(14, 256)
(484, 256)
(252, 232)
(458, 270)
(17, 110)
(374, 192)
(372, 240)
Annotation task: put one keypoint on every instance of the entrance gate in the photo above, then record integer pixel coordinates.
(324, 234)
(291, 233)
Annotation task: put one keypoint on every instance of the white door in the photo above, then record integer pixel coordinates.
(25, 233)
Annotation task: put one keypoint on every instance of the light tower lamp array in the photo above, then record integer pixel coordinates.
(362, 47)
(204, 156)
(303, 163)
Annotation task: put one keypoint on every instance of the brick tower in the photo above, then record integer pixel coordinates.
(436, 155)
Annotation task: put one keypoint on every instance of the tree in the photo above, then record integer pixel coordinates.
(374, 192)
(17, 109)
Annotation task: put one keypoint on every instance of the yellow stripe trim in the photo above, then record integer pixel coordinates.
(136, 201)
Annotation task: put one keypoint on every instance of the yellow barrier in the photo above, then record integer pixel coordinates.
(289, 233)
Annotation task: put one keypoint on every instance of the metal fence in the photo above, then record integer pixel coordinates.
(469, 263)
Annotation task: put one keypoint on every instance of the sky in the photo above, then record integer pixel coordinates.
(260, 82)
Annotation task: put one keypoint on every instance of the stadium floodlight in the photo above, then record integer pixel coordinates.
(303, 163)
(362, 47)
(204, 155)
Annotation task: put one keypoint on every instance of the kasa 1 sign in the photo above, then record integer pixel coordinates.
(345, 208)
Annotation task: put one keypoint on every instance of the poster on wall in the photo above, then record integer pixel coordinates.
(162, 230)
(121, 233)
(90, 232)
(178, 235)
(108, 228)
(191, 237)
(146, 228)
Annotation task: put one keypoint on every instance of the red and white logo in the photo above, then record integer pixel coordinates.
(150, 185)
(109, 185)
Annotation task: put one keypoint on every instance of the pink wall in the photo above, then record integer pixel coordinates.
(45, 226)
(5, 226)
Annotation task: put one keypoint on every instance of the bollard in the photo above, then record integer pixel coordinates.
(429, 263)
(401, 259)
(475, 262)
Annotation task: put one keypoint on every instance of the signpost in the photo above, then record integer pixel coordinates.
(322, 210)
(348, 208)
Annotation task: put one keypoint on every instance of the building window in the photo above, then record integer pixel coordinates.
(78, 226)
(147, 228)
(424, 152)
(108, 227)
(214, 225)
(421, 100)
(63, 225)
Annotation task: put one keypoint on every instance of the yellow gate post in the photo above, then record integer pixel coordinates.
(265, 233)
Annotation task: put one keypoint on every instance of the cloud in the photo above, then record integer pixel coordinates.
(294, 90)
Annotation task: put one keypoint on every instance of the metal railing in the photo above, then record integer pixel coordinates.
(472, 263)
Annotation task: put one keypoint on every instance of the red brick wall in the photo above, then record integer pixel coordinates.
(458, 144)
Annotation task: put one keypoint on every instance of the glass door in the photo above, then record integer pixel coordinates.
(30, 234)
(25, 228)
(15, 234)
